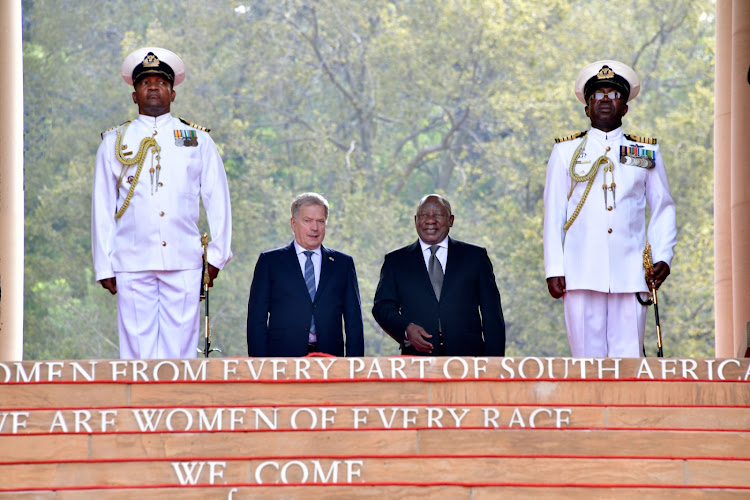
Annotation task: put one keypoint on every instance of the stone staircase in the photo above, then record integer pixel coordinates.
(401, 428)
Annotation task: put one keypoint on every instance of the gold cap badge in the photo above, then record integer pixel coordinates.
(150, 61)
(605, 72)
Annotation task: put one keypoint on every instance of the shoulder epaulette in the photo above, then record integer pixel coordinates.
(637, 138)
(571, 137)
(113, 128)
(191, 124)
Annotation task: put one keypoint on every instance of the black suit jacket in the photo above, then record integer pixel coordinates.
(405, 295)
(280, 308)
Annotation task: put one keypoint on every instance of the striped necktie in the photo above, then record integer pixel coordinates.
(310, 282)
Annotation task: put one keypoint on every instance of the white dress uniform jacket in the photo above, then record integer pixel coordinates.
(603, 248)
(159, 231)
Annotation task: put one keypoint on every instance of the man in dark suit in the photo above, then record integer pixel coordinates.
(300, 293)
(431, 292)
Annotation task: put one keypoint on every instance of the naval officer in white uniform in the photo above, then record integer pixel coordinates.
(597, 188)
(150, 177)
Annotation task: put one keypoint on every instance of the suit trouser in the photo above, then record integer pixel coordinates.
(604, 324)
(158, 314)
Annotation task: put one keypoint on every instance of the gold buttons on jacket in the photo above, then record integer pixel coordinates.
(608, 230)
(161, 214)
(608, 208)
(164, 243)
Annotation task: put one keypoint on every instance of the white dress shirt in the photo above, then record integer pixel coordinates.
(441, 253)
(317, 258)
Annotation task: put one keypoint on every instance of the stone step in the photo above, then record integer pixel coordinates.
(528, 441)
(607, 392)
(399, 492)
(361, 369)
(445, 469)
(250, 418)
(474, 428)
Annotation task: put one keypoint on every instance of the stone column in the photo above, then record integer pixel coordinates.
(722, 181)
(740, 188)
(11, 183)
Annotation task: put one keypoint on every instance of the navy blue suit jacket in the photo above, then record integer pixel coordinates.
(280, 308)
(405, 295)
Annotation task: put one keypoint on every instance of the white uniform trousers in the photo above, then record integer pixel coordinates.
(604, 324)
(158, 314)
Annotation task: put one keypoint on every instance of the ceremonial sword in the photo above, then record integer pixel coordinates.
(648, 265)
(204, 296)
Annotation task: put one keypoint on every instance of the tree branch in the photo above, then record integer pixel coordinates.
(424, 153)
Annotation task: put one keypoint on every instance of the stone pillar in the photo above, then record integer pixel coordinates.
(740, 188)
(722, 181)
(11, 183)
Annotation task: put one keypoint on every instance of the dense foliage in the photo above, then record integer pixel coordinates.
(372, 103)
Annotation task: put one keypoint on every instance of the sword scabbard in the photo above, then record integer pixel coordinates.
(206, 280)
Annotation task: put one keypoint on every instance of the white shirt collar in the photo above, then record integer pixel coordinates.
(155, 121)
(601, 135)
(300, 249)
(426, 246)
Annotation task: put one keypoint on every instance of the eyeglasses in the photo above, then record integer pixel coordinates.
(598, 96)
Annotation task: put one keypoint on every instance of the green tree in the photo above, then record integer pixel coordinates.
(373, 104)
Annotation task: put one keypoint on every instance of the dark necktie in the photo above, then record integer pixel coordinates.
(310, 282)
(435, 270)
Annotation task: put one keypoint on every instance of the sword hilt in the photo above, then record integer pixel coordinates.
(648, 264)
(206, 277)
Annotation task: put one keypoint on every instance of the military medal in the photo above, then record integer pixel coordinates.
(637, 156)
(185, 138)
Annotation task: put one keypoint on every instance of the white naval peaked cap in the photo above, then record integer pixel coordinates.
(607, 72)
(153, 60)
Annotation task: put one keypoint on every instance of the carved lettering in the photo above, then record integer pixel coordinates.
(190, 473)
(688, 368)
(539, 368)
(395, 368)
(18, 420)
(22, 376)
(645, 369)
(299, 471)
(375, 369)
(270, 423)
(725, 363)
(79, 370)
(464, 367)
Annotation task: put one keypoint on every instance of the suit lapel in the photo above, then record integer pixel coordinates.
(326, 268)
(294, 268)
(424, 276)
(453, 260)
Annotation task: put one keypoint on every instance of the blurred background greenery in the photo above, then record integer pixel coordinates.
(372, 103)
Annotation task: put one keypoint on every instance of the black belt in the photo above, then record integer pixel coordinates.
(312, 347)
